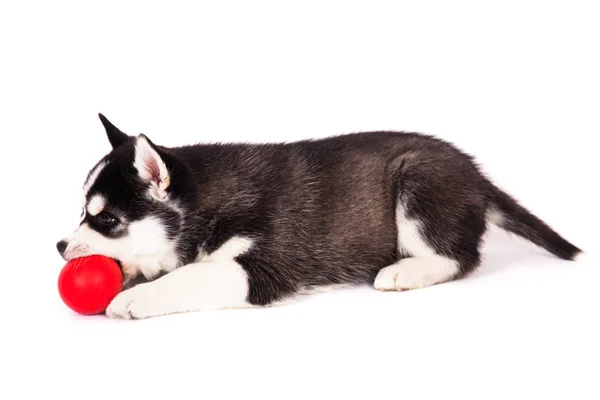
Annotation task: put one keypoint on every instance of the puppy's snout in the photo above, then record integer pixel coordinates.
(61, 246)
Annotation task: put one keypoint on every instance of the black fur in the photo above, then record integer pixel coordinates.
(520, 221)
(321, 212)
(114, 134)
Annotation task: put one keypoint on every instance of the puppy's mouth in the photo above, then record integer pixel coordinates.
(77, 251)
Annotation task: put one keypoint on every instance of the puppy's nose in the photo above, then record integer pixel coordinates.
(61, 246)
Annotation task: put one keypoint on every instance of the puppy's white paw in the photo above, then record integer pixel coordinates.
(386, 279)
(141, 301)
(415, 273)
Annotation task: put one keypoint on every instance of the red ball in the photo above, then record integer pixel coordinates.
(88, 284)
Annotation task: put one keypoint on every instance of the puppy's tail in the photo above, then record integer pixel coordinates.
(506, 213)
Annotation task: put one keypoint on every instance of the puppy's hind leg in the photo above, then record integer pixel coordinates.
(439, 232)
(425, 265)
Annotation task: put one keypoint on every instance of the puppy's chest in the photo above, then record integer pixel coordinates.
(150, 267)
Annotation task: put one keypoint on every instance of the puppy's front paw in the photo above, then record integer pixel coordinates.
(141, 301)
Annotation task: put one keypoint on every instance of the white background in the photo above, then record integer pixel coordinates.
(514, 83)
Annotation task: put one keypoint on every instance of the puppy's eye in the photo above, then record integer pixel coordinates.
(107, 220)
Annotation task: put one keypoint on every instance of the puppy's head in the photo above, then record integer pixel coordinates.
(131, 210)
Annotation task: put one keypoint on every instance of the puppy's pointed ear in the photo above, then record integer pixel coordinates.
(151, 167)
(115, 136)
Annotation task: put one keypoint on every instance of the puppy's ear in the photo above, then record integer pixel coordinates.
(115, 136)
(151, 167)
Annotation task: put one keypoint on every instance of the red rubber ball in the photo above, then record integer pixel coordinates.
(88, 284)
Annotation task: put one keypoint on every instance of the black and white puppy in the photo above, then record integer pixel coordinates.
(217, 226)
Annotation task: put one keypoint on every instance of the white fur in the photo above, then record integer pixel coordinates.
(145, 249)
(424, 268)
(494, 217)
(87, 185)
(218, 284)
(96, 205)
(146, 160)
(93, 175)
(232, 248)
(415, 273)
(193, 287)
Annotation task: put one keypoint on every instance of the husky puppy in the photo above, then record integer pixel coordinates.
(216, 226)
